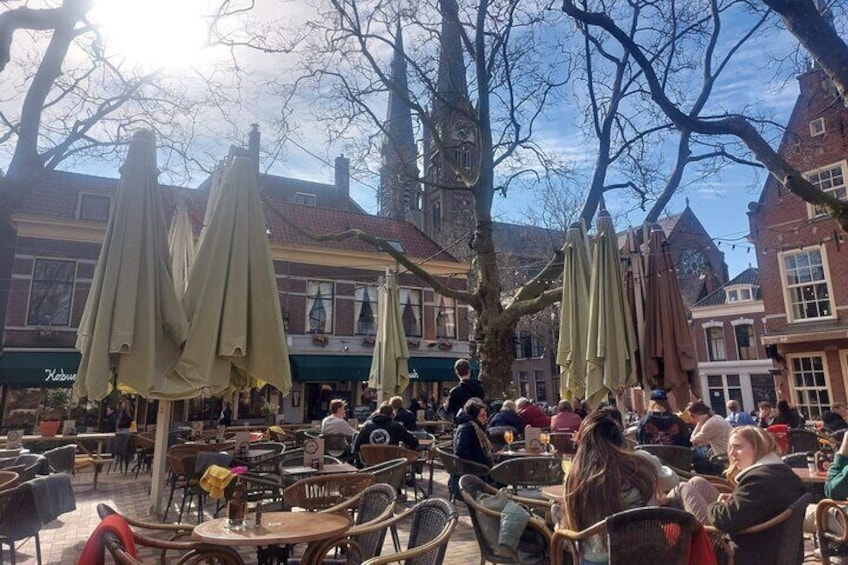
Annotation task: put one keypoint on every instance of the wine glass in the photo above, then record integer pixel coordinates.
(544, 439)
(508, 438)
(566, 464)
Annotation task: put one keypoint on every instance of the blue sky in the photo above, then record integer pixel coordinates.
(720, 202)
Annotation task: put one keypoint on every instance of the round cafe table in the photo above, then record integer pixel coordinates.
(278, 528)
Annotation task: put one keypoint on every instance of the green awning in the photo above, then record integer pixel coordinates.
(336, 368)
(39, 369)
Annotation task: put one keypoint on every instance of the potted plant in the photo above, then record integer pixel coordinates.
(369, 340)
(54, 410)
(269, 411)
(320, 339)
(413, 342)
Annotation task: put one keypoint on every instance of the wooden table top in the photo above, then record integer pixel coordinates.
(97, 436)
(553, 492)
(805, 475)
(328, 469)
(278, 528)
(252, 454)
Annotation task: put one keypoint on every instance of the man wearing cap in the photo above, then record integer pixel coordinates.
(660, 425)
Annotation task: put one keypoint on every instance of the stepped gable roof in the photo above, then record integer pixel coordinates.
(57, 194)
(750, 276)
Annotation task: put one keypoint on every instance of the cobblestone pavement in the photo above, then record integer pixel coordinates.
(63, 539)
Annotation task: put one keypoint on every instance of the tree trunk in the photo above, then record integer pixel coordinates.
(496, 352)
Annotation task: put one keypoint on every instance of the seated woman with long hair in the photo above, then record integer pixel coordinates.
(606, 478)
(763, 487)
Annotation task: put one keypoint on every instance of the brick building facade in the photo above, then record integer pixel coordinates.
(802, 256)
(62, 222)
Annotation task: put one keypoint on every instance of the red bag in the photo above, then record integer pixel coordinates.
(781, 436)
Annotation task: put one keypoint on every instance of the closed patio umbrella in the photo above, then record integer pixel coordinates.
(232, 303)
(133, 323)
(610, 345)
(574, 314)
(389, 366)
(669, 356)
(635, 280)
(181, 245)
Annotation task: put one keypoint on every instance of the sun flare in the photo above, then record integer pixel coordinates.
(154, 34)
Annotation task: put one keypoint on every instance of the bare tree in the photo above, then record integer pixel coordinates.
(725, 124)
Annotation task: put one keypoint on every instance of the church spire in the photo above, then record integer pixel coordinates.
(451, 86)
(399, 171)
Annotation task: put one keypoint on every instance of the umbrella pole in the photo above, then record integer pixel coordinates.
(163, 424)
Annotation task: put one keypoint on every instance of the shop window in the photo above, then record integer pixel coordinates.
(810, 386)
(51, 292)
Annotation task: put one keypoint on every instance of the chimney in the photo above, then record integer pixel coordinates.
(342, 178)
(253, 145)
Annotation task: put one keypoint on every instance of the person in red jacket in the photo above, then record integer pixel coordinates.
(531, 414)
(565, 420)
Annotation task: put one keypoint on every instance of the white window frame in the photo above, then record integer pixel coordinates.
(790, 364)
(812, 212)
(451, 323)
(787, 300)
(82, 195)
(309, 199)
(358, 302)
(329, 328)
(725, 389)
(707, 329)
(817, 127)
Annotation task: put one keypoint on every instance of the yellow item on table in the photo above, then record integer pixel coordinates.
(215, 480)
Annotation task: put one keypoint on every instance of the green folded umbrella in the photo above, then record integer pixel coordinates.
(389, 366)
(574, 314)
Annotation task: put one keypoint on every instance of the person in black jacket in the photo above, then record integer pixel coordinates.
(470, 441)
(660, 425)
(508, 416)
(381, 428)
(788, 416)
(403, 415)
(464, 391)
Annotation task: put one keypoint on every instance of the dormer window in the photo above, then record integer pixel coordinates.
(739, 293)
(304, 198)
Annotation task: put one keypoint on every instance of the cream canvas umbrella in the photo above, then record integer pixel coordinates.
(389, 366)
(232, 302)
(610, 345)
(574, 314)
(669, 356)
(133, 323)
(636, 279)
(181, 245)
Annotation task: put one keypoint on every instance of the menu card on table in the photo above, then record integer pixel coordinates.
(13, 439)
(196, 430)
(242, 443)
(313, 453)
(69, 427)
(533, 438)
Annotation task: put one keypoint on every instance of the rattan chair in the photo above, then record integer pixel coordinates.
(122, 448)
(271, 463)
(389, 472)
(373, 507)
(785, 529)
(802, 441)
(62, 459)
(432, 523)
(337, 445)
(486, 522)
(796, 460)
(832, 529)
(527, 474)
(19, 520)
(671, 455)
(8, 479)
(634, 537)
(191, 552)
(563, 443)
(184, 476)
(456, 467)
(145, 444)
(324, 491)
(372, 454)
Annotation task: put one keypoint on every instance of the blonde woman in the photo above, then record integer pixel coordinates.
(763, 487)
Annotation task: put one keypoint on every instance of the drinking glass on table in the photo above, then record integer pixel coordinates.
(544, 439)
(509, 438)
(566, 464)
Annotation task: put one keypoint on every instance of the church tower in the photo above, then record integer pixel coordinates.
(447, 206)
(400, 192)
